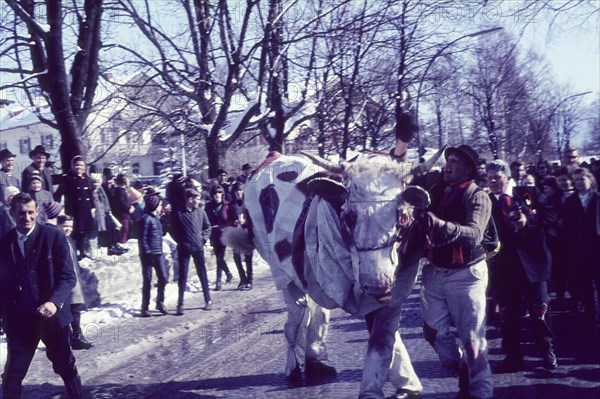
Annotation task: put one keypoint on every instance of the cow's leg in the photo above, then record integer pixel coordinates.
(402, 375)
(295, 330)
(316, 350)
(383, 327)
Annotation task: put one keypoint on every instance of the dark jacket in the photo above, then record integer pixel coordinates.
(218, 217)
(120, 204)
(50, 276)
(582, 231)
(79, 200)
(524, 250)
(457, 243)
(190, 228)
(150, 235)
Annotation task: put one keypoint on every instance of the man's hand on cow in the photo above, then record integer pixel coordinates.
(422, 219)
(426, 220)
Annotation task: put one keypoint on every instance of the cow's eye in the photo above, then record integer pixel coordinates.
(349, 219)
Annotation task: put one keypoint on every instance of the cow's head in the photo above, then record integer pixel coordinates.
(372, 215)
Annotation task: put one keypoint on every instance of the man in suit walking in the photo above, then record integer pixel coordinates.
(36, 278)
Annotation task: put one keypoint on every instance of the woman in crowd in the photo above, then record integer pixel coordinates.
(122, 207)
(582, 229)
(238, 217)
(217, 211)
(76, 186)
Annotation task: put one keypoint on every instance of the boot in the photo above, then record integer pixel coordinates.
(79, 342)
(73, 386)
(229, 278)
(179, 311)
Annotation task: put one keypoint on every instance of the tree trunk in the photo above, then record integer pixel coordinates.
(70, 131)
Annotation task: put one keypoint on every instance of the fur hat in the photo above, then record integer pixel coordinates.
(51, 208)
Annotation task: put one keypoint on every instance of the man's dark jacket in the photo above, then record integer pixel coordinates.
(50, 275)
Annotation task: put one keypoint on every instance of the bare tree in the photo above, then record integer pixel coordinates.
(35, 43)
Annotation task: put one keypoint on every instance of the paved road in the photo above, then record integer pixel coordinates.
(237, 350)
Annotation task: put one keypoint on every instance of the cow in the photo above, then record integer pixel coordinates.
(332, 234)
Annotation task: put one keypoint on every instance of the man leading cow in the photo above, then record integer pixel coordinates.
(338, 247)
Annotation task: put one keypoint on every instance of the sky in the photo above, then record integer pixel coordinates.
(572, 50)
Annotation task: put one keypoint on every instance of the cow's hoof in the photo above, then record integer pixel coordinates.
(295, 377)
(319, 370)
(402, 393)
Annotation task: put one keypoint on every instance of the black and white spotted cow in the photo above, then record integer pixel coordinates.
(330, 234)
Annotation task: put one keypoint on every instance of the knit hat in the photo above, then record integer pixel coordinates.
(152, 202)
(34, 176)
(96, 177)
(51, 208)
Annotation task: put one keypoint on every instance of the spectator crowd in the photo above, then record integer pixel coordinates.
(547, 217)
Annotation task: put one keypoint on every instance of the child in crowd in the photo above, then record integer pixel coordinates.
(65, 222)
(34, 188)
(150, 243)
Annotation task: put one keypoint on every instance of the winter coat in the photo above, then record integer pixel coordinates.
(79, 201)
(102, 205)
(151, 233)
(120, 206)
(52, 276)
(190, 228)
(218, 217)
(40, 197)
(582, 231)
(524, 250)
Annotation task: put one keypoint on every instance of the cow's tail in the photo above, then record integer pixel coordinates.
(237, 238)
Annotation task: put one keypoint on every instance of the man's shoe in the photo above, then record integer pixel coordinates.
(550, 362)
(402, 393)
(510, 364)
(162, 308)
(316, 369)
(79, 342)
(218, 286)
(248, 287)
(179, 311)
(229, 278)
(241, 286)
(146, 313)
(208, 305)
(121, 247)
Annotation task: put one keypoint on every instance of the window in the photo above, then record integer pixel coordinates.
(25, 145)
(158, 167)
(48, 141)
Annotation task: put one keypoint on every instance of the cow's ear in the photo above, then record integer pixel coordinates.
(327, 186)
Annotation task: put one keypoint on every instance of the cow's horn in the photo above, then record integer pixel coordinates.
(427, 165)
(330, 166)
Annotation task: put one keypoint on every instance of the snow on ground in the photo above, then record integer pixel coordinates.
(113, 285)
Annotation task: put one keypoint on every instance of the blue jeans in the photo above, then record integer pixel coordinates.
(458, 296)
(184, 255)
